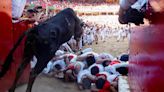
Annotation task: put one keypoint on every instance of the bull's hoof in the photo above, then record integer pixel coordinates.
(28, 90)
(11, 90)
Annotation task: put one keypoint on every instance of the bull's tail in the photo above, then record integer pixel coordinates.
(9, 58)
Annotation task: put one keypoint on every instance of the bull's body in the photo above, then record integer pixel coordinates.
(55, 31)
(43, 41)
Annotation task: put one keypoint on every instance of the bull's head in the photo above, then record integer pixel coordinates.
(78, 24)
(128, 12)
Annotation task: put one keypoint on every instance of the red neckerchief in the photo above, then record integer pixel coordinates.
(114, 62)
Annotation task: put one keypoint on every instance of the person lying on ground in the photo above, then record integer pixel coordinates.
(105, 82)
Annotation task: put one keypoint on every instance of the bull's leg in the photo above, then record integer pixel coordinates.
(40, 65)
(28, 54)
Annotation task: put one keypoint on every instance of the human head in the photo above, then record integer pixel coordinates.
(59, 52)
(57, 67)
(106, 63)
(94, 70)
(86, 83)
(31, 13)
(122, 70)
(90, 60)
(39, 8)
(124, 57)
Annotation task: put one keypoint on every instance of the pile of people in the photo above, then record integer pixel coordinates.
(95, 71)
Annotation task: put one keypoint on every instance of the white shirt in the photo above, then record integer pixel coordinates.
(33, 62)
(82, 65)
(48, 68)
(87, 50)
(110, 77)
(100, 66)
(112, 68)
(90, 52)
(125, 4)
(17, 8)
(61, 63)
(67, 47)
(139, 4)
(81, 74)
(106, 56)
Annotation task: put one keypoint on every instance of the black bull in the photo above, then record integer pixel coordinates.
(43, 41)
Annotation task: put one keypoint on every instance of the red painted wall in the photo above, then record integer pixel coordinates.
(6, 36)
(146, 71)
(9, 33)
